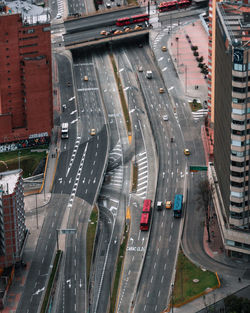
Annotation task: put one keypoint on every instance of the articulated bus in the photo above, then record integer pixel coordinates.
(132, 19)
(173, 5)
(146, 214)
(177, 208)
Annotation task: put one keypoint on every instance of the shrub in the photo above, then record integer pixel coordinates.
(200, 59)
(201, 65)
(196, 53)
(194, 48)
(187, 36)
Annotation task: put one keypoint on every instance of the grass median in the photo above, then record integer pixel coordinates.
(191, 281)
(28, 158)
(121, 256)
(122, 96)
(91, 239)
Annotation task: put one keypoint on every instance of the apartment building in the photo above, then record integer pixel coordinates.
(26, 104)
(13, 232)
(231, 111)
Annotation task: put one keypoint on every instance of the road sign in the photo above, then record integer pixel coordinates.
(196, 168)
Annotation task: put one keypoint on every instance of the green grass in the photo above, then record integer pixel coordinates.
(51, 281)
(122, 97)
(135, 177)
(91, 238)
(195, 106)
(184, 287)
(121, 256)
(28, 160)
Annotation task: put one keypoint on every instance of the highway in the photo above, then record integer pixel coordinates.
(114, 194)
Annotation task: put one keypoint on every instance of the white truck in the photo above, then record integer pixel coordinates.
(65, 130)
(159, 205)
(149, 74)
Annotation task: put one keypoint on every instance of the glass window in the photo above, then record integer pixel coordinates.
(238, 111)
(236, 194)
(237, 153)
(236, 143)
(230, 242)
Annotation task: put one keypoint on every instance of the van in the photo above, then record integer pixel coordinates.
(159, 205)
(65, 130)
(149, 74)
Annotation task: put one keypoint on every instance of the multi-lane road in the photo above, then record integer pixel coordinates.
(97, 170)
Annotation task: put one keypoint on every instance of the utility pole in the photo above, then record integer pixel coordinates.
(36, 213)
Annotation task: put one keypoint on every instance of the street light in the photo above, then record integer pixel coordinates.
(172, 297)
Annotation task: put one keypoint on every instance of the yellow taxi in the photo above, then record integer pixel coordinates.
(103, 32)
(163, 48)
(186, 152)
(92, 132)
(86, 78)
(168, 204)
(161, 90)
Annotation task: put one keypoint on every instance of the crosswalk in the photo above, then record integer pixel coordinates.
(116, 174)
(142, 181)
(60, 8)
(199, 114)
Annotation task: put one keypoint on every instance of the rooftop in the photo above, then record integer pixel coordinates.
(236, 22)
(8, 181)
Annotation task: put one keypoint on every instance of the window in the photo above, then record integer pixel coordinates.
(238, 122)
(237, 153)
(30, 31)
(238, 132)
(239, 79)
(239, 67)
(236, 100)
(237, 174)
(238, 89)
(236, 194)
(236, 215)
(236, 204)
(238, 111)
(237, 143)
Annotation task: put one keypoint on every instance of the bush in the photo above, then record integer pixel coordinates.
(187, 36)
(201, 65)
(200, 59)
(194, 48)
(196, 53)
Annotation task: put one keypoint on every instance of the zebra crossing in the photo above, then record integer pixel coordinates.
(142, 180)
(199, 114)
(115, 175)
(60, 8)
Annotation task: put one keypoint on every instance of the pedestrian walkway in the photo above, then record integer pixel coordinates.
(179, 45)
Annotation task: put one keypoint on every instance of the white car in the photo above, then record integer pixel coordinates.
(165, 117)
(58, 15)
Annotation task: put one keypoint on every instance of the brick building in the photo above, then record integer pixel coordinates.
(26, 104)
(13, 232)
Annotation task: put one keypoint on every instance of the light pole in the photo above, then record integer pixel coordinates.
(185, 78)
(172, 298)
(19, 152)
(36, 213)
(177, 50)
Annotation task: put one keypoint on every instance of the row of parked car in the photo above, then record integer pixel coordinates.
(126, 29)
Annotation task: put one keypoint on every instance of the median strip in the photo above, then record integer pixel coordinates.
(122, 96)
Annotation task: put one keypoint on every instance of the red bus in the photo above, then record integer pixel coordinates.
(145, 221)
(132, 20)
(173, 5)
(146, 206)
(146, 214)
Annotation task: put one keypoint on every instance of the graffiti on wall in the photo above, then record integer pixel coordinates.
(33, 141)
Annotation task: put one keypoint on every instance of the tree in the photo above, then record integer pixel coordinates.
(205, 194)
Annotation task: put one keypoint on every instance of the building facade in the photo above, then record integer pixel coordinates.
(231, 110)
(26, 103)
(13, 232)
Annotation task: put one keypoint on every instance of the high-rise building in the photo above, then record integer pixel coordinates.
(26, 104)
(231, 110)
(13, 232)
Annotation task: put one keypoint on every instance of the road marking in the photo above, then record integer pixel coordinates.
(161, 224)
(145, 307)
(159, 293)
(148, 294)
(152, 278)
(168, 252)
(156, 307)
(160, 238)
(157, 251)
(170, 237)
(154, 265)
(172, 224)
(165, 266)
(162, 278)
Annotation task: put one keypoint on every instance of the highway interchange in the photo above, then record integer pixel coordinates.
(97, 170)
